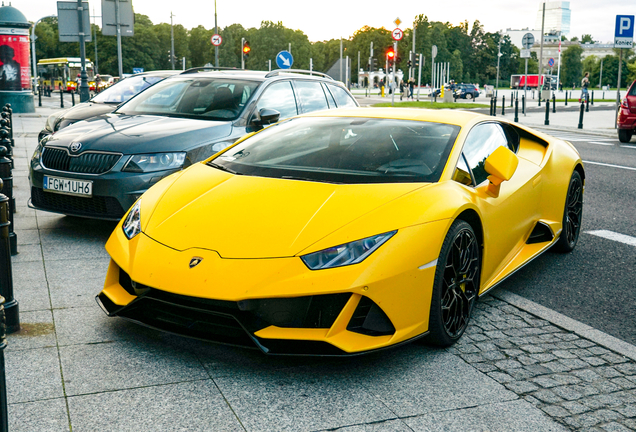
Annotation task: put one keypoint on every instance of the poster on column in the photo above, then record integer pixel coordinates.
(14, 59)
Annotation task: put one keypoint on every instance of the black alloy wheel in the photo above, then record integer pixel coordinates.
(456, 285)
(571, 216)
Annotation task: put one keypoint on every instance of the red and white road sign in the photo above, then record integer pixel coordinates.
(216, 40)
(397, 34)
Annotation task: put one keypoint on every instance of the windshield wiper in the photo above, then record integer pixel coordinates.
(223, 168)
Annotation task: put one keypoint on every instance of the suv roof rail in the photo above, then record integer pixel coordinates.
(281, 71)
(197, 69)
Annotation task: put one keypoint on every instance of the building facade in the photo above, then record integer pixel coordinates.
(557, 17)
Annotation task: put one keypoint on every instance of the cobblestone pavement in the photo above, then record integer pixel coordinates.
(576, 382)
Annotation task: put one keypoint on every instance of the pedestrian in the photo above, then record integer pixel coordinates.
(585, 82)
(560, 86)
(411, 87)
(402, 90)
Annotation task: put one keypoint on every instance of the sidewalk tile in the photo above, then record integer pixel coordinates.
(42, 416)
(190, 406)
(33, 375)
(125, 365)
(36, 331)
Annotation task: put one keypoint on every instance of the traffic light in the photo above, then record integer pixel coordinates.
(246, 49)
(409, 63)
(390, 55)
(375, 64)
(416, 62)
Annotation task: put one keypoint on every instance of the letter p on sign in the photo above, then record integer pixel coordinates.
(625, 24)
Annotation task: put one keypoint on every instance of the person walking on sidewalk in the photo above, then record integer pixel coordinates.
(585, 82)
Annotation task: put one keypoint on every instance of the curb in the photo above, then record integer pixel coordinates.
(583, 330)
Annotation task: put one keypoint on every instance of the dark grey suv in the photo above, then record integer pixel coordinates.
(99, 167)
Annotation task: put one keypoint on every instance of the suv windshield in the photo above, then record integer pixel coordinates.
(125, 89)
(344, 150)
(193, 97)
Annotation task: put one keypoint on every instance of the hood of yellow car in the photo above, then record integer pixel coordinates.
(256, 217)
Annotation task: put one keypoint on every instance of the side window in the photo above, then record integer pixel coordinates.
(330, 99)
(482, 140)
(462, 172)
(342, 97)
(279, 96)
(311, 95)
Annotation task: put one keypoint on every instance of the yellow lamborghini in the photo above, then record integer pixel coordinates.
(341, 232)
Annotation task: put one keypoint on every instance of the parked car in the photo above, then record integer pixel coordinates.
(105, 102)
(466, 91)
(341, 233)
(626, 120)
(99, 167)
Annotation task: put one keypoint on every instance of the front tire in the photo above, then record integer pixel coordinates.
(469, 96)
(625, 135)
(571, 216)
(456, 285)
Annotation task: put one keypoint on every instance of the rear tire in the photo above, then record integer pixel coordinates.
(625, 135)
(469, 96)
(456, 285)
(571, 216)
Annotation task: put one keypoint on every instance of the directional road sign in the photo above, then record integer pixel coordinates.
(216, 40)
(284, 60)
(397, 34)
(624, 32)
(528, 40)
(525, 53)
(551, 62)
(138, 70)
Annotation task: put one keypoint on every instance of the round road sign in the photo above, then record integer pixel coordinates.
(397, 34)
(528, 40)
(551, 62)
(216, 40)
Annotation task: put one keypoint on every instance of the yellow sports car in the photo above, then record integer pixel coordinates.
(341, 232)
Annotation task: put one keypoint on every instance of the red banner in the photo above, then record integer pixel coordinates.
(14, 62)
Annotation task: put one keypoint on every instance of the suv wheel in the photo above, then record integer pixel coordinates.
(625, 135)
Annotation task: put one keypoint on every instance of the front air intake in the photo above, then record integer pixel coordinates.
(370, 320)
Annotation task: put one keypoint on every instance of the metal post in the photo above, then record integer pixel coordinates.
(523, 104)
(39, 96)
(311, 65)
(600, 79)
(419, 78)
(587, 104)
(494, 106)
(517, 110)
(618, 87)
(61, 97)
(547, 113)
(498, 59)
(541, 54)
(73, 98)
(120, 66)
(4, 415)
(581, 115)
(95, 41)
(592, 98)
(83, 88)
(553, 104)
(11, 307)
(340, 59)
(216, 48)
(503, 105)
(172, 42)
(566, 98)
(6, 178)
(242, 54)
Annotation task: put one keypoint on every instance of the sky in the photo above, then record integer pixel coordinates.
(332, 19)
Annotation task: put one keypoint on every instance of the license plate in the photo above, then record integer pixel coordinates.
(68, 186)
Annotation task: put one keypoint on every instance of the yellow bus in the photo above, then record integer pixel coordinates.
(63, 72)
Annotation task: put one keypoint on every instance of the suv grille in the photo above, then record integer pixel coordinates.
(86, 163)
(96, 206)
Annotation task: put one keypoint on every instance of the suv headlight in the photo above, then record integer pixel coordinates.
(145, 163)
(346, 254)
(132, 223)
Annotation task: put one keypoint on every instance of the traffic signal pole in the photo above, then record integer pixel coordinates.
(242, 54)
(393, 72)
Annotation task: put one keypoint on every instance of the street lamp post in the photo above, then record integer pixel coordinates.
(498, 60)
(171, 42)
(33, 38)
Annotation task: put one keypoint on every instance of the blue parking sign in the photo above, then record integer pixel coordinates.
(624, 31)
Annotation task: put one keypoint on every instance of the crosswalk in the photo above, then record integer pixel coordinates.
(574, 137)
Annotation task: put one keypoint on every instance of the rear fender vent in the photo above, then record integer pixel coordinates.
(540, 234)
(370, 320)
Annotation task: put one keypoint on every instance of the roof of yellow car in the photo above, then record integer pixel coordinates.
(454, 117)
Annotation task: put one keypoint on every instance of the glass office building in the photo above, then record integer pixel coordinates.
(557, 17)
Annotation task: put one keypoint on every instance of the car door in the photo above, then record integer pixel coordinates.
(280, 97)
(509, 217)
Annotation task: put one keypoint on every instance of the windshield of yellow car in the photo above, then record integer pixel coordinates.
(344, 150)
(194, 97)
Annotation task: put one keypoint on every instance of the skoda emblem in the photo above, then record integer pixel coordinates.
(76, 146)
(195, 261)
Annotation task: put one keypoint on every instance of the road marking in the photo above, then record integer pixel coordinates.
(629, 146)
(611, 235)
(610, 165)
(600, 143)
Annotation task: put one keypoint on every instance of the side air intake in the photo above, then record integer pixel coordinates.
(540, 234)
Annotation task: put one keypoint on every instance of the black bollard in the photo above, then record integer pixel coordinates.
(512, 98)
(7, 109)
(523, 104)
(553, 104)
(4, 415)
(11, 307)
(39, 96)
(7, 179)
(587, 104)
(547, 112)
(61, 97)
(517, 110)
(73, 97)
(494, 107)
(592, 97)
(581, 115)
(503, 105)
(566, 98)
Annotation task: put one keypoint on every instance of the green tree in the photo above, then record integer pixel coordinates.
(572, 67)
(200, 46)
(587, 38)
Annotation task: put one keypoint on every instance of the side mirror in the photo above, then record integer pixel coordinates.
(266, 116)
(501, 165)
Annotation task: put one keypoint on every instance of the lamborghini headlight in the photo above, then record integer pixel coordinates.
(346, 254)
(144, 163)
(132, 223)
